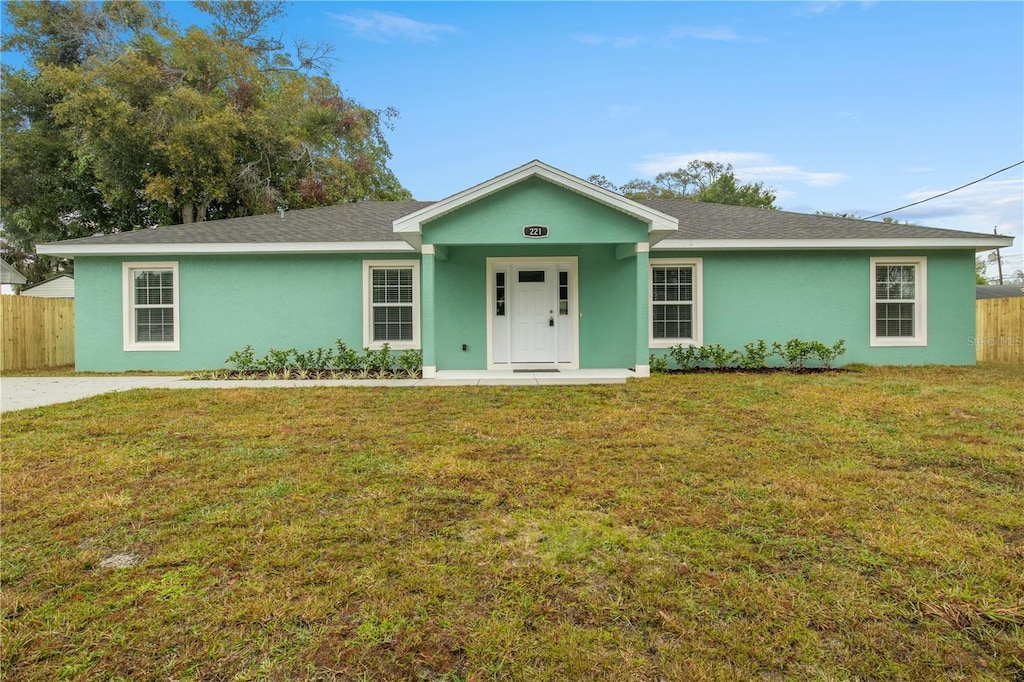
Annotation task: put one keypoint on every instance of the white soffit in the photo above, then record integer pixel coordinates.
(237, 248)
(982, 243)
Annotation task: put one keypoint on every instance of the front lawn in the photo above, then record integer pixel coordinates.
(859, 525)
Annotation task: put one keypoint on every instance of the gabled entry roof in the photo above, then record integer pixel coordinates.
(659, 225)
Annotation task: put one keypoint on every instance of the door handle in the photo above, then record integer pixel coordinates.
(551, 321)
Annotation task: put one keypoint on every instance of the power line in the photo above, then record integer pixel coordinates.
(975, 182)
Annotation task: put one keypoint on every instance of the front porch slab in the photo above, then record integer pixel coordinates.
(508, 377)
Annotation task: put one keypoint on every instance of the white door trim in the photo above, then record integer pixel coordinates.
(571, 263)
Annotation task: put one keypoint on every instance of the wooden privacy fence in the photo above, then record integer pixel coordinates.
(36, 332)
(999, 330)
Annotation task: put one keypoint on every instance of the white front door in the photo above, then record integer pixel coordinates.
(534, 311)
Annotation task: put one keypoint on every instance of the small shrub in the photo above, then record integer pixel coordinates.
(316, 359)
(718, 356)
(686, 357)
(244, 360)
(827, 354)
(411, 362)
(385, 359)
(795, 352)
(658, 364)
(345, 358)
(276, 360)
(754, 355)
(378, 361)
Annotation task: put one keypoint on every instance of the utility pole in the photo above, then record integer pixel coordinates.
(999, 258)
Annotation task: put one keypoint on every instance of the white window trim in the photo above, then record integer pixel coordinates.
(698, 302)
(368, 267)
(128, 306)
(920, 337)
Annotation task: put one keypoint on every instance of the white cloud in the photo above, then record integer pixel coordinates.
(614, 41)
(822, 7)
(805, 9)
(720, 33)
(383, 27)
(748, 166)
(725, 34)
(979, 208)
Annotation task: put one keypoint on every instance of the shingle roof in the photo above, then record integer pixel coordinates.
(698, 220)
(985, 291)
(372, 222)
(361, 222)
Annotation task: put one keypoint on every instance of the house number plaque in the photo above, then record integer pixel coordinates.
(535, 231)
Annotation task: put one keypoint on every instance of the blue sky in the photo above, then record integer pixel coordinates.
(848, 107)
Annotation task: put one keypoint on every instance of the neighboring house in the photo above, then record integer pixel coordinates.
(58, 286)
(535, 268)
(10, 279)
(984, 291)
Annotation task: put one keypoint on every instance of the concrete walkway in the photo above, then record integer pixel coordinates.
(19, 393)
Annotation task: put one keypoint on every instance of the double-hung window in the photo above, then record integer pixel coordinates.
(898, 302)
(391, 304)
(150, 305)
(675, 302)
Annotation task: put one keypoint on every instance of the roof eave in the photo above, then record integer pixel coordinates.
(982, 243)
(67, 250)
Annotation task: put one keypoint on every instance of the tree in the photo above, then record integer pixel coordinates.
(706, 181)
(122, 121)
(887, 220)
(46, 192)
(980, 268)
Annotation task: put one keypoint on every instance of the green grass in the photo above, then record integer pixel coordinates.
(841, 526)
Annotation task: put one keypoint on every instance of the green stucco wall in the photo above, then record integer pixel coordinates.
(500, 218)
(279, 301)
(812, 295)
(606, 302)
(305, 301)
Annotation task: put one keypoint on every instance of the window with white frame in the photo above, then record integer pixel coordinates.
(898, 302)
(675, 302)
(391, 304)
(150, 304)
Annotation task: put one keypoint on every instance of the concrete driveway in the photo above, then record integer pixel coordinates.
(19, 393)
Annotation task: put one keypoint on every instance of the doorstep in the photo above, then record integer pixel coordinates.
(509, 377)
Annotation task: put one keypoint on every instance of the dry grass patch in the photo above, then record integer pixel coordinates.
(861, 525)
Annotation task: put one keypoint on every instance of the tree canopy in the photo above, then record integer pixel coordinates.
(707, 181)
(122, 120)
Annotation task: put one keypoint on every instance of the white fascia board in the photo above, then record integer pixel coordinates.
(657, 221)
(237, 248)
(982, 243)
